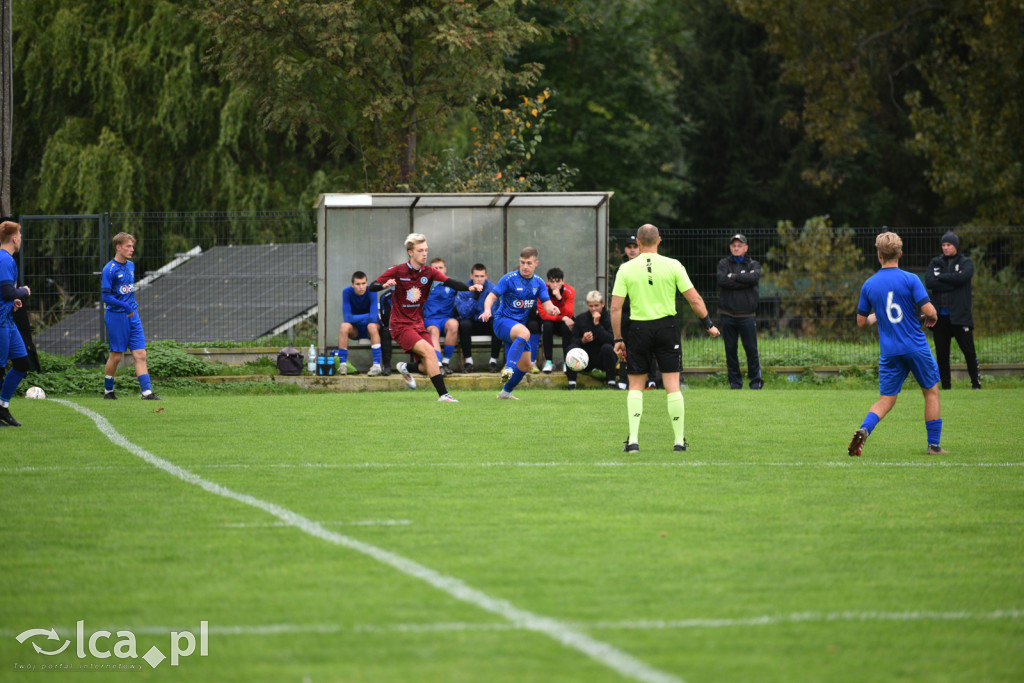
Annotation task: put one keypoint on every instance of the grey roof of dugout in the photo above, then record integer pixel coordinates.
(225, 293)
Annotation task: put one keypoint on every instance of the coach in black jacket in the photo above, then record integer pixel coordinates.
(948, 280)
(738, 277)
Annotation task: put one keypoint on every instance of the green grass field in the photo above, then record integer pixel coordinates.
(385, 537)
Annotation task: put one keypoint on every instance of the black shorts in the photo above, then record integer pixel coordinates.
(653, 340)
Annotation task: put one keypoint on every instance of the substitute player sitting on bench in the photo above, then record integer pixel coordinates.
(359, 309)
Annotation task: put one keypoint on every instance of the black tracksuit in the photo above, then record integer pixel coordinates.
(737, 309)
(600, 350)
(948, 280)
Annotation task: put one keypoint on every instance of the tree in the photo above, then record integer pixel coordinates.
(505, 136)
(5, 107)
(941, 80)
(615, 116)
(969, 123)
(816, 296)
(115, 112)
(744, 165)
(370, 78)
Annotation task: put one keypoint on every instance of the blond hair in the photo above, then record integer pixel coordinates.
(413, 239)
(889, 246)
(8, 229)
(123, 238)
(594, 297)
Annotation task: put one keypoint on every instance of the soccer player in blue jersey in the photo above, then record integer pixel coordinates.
(891, 298)
(124, 329)
(439, 315)
(516, 294)
(362, 321)
(12, 346)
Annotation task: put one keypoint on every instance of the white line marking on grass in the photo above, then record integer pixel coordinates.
(358, 522)
(565, 464)
(802, 617)
(599, 651)
(633, 624)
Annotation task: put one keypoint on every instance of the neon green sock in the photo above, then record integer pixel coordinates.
(634, 410)
(677, 414)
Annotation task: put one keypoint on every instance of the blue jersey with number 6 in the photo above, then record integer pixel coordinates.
(895, 295)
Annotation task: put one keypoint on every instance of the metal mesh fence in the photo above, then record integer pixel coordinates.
(811, 282)
(809, 288)
(183, 260)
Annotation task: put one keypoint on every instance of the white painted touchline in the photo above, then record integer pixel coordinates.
(358, 522)
(599, 651)
(865, 616)
(825, 464)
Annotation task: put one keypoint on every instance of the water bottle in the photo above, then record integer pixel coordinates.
(311, 359)
(321, 365)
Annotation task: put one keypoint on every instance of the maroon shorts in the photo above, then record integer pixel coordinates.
(407, 336)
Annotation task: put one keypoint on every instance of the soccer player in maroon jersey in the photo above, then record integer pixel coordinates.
(411, 282)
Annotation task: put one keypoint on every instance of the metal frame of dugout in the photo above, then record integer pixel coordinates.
(366, 232)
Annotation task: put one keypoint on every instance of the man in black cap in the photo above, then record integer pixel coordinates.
(949, 283)
(738, 277)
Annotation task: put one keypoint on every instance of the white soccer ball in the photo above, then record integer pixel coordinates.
(35, 392)
(577, 360)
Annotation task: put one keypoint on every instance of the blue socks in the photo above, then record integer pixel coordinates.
(342, 356)
(870, 422)
(516, 351)
(517, 376)
(144, 383)
(534, 347)
(934, 427)
(449, 349)
(11, 383)
(108, 383)
(375, 348)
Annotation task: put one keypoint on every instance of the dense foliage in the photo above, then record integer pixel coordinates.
(910, 77)
(704, 113)
(115, 111)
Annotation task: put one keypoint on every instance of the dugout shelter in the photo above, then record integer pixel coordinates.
(367, 232)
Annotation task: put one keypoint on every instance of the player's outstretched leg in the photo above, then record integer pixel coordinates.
(403, 370)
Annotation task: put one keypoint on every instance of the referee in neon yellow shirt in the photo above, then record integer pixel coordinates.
(651, 281)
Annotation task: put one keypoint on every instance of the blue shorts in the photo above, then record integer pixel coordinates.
(893, 370)
(437, 322)
(503, 328)
(11, 344)
(124, 331)
(362, 330)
